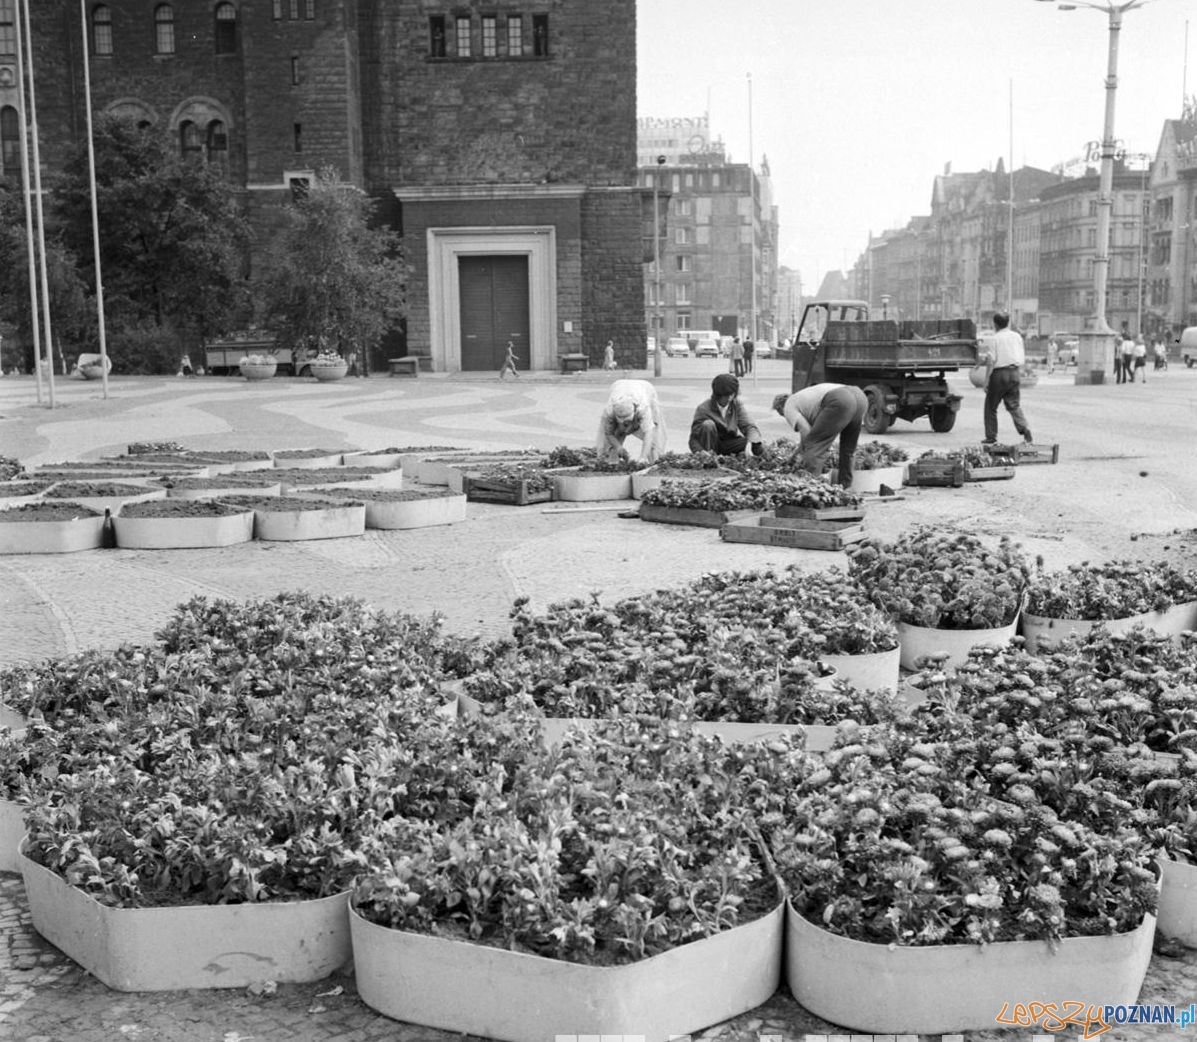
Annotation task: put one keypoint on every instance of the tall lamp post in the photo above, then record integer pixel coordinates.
(1097, 339)
(657, 338)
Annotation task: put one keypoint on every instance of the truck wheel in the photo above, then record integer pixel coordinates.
(943, 418)
(877, 420)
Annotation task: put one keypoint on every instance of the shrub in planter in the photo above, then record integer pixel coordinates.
(748, 491)
(588, 461)
(10, 468)
(689, 461)
(1108, 591)
(942, 577)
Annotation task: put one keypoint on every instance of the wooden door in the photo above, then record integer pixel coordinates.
(494, 310)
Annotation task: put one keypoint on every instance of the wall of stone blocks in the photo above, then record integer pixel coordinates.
(612, 277)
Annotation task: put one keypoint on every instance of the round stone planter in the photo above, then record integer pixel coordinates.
(192, 946)
(330, 521)
(1170, 622)
(577, 486)
(114, 503)
(93, 371)
(1178, 902)
(377, 460)
(52, 537)
(307, 462)
(12, 831)
(492, 993)
(959, 987)
(183, 533)
(329, 373)
(872, 480)
(218, 489)
(874, 671)
(425, 512)
(259, 371)
(917, 641)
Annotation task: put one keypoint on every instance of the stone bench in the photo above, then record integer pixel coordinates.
(574, 363)
(408, 365)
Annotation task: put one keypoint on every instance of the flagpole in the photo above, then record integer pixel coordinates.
(752, 226)
(95, 218)
(41, 216)
(34, 323)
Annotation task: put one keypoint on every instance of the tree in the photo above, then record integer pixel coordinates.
(173, 241)
(335, 282)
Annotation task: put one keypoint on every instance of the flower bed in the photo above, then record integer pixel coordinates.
(292, 518)
(406, 508)
(305, 458)
(174, 524)
(101, 495)
(50, 528)
(222, 485)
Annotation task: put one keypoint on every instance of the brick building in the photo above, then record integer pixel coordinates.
(499, 139)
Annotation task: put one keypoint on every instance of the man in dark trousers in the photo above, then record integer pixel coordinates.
(821, 413)
(721, 424)
(1005, 361)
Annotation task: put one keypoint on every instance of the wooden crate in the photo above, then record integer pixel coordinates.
(945, 473)
(687, 516)
(479, 490)
(822, 513)
(988, 473)
(753, 530)
(1022, 453)
(807, 523)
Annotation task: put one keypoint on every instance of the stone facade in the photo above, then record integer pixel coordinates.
(515, 124)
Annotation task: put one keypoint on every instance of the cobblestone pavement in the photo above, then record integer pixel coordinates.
(471, 572)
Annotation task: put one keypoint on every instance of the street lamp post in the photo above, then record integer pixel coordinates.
(657, 270)
(1096, 354)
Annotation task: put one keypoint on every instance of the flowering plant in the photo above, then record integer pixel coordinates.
(588, 460)
(1112, 590)
(748, 491)
(942, 577)
(256, 360)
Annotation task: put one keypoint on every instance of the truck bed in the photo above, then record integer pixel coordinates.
(906, 346)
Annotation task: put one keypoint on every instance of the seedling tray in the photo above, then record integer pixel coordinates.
(945, 473)
(822, 513)
(1023, 454)
(988, 473)
(809, 524)
(689, 516)
(754, 530)
(479, 490)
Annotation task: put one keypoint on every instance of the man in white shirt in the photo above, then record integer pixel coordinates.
(1005, 377)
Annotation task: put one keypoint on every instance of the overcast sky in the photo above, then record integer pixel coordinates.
(858, 104)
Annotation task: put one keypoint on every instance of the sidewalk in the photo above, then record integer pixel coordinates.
(471, 572)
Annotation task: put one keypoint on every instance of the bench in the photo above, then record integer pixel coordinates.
(408, 365)
(575, 363)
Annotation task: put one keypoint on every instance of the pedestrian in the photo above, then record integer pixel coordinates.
(749, 355)
(1139, 352)
(1005, 358)
(1126, 355)
(819, 414)
(721, 423)
(1160, 353)
(509, 363)
(185, 368)
(632, 408)
(1053, 354)
(609, 355)
(737, 357)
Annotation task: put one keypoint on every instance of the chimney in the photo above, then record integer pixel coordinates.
(947, 169)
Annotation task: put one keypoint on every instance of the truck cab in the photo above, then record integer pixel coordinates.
(900, 365)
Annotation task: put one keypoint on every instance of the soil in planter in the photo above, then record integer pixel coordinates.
(230, 455)
(179, 508)
(71, 489)
(306, 453)
(223, 481)
(64, 511)
(272, 504)
(322, 475)
(14, 489)
(392, 495)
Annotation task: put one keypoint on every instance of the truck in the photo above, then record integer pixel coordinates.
(223, 357)
(901, 365)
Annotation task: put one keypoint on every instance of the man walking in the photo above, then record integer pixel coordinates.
(1005, 377)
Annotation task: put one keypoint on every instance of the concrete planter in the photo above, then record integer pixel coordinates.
(332, 459)
(957, 987)
(114, 503)
(643, 480)
(873, 671)
(253, 371)
(390, 514)
(51, 537)
(333, 521)
(917, 641)
(12, 831)
(183, 533)
(192, 946)
(379, 460)
(577, 486)
(872, 480)
(1171, 622)
(489, 992)
(329, 373)
(1178, 902)
(222, 489)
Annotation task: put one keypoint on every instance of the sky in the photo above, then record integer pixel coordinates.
(859, 104)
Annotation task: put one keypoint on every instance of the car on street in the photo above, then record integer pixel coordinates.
(708, 347)
(677, 345)
(762, 349)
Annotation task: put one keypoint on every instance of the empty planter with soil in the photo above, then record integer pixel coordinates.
(291, 518)
(406, 508)
(170, 524)
(50, 528)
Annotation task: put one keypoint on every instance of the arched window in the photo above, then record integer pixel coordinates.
(164, 29)
(8, 27)
(101, 29)
(217, 145)
(191, 140)
(10, 142)
(226, 29)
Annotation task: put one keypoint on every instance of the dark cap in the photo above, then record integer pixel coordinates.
(723, 384)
